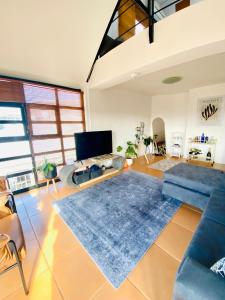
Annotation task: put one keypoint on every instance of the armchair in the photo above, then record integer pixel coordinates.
(6, 196)
(12, 244)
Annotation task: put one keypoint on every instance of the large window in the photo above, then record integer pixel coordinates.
(41, 127)
(54, 115)
(15, 153)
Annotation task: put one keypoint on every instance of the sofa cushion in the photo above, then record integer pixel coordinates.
(215, 209)
(201, 179)
(207, 245)
(196, 282)
(185, 195)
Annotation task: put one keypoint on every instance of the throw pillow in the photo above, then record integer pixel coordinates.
(219, 267)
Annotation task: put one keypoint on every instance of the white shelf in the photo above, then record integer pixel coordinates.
(204, 148)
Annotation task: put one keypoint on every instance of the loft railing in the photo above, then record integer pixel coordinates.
(128, 18)
(132, 16)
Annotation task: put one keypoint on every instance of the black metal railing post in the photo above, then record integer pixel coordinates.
(151, 5)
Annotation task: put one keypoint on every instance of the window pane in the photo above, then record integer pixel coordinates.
(67, 98)
(10, 130)
(39, 94)
(42, 114)
(21, 182)
(46, 145)
(54, 158)
(70, 156)
(15, 166)
(11, 149)
(71, 115)
(43, 129)
(68, 143)
(10, 113)
(70, 129)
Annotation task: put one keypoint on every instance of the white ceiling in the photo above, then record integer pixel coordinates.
(201, 72)
(52, 40)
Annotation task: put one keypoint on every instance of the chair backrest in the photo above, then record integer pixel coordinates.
(5, 253)
(3, 184)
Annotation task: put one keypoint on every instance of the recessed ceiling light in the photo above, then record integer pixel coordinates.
(172, 80)
(135, 74)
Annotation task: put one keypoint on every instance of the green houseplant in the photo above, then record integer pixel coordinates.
(130, 152)
(48, 169)
(147, 141)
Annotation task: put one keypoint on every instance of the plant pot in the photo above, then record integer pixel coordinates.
(51, 174)
(129, 161)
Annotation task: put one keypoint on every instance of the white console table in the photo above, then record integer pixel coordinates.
(66, 173)
(204, 147)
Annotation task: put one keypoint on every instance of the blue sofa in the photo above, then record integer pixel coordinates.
(195, 280)
(192, 184)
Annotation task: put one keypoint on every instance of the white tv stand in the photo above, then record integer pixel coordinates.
(113, 164)
(102, 160)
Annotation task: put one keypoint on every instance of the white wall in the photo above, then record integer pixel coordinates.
(182, 37)
(194, 129)
(51, 40)
(173, 110)
(120, 111)
(179, 111)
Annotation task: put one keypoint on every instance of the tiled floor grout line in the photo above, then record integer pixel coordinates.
(97, 291)
(172, 221)
(168, 253)
(49, 268)
(140, 291)
(11, 294)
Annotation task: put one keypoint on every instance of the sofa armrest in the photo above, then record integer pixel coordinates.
(196, 282)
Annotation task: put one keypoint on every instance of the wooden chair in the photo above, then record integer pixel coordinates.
(12, 244)
(6, 194)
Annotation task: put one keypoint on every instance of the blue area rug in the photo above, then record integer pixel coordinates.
(118, 220)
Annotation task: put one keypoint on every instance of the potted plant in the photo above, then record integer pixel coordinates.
(147, 140)
(130, 152)
(48, 169)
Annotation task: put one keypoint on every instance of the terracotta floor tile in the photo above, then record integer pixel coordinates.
(33, 265)
(155, 274)
(77, 276)
(42, 288)
(187, 218)
(21, 211)
(46, 222)
(127, 291)
(29, 234)
(56, 244)
(35, 207)
(193, 208)
(174, 239)
(9, 283)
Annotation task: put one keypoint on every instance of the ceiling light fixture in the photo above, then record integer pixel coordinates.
(135, 74)
(172, 80)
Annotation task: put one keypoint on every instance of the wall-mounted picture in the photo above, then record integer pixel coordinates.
(210, 111)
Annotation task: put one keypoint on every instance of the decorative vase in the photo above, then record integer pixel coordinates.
(129, 161)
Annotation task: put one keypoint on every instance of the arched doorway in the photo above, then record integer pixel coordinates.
(159, 137)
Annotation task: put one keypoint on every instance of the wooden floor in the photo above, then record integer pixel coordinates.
(57, 266)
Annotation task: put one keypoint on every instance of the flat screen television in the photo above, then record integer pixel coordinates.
(93, 143)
